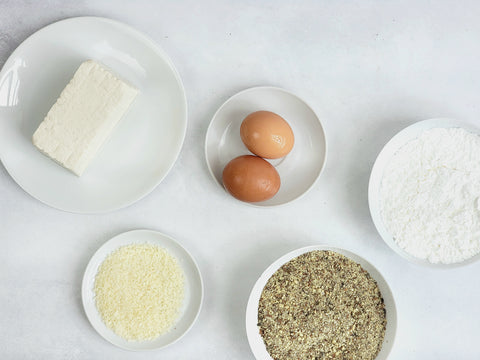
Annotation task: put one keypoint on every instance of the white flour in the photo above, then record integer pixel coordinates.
(430, 196)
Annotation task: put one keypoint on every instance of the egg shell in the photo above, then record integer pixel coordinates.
(251, 179)
(267, 134)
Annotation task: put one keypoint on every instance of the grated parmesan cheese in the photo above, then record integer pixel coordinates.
(139, 291)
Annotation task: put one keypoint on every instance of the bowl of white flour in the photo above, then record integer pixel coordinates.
(424, 193)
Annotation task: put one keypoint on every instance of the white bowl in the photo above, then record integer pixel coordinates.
(255, 339)
(409, 133)
(141, 149)
(299, 170)
(193, 289)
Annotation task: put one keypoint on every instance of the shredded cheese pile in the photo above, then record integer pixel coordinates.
(139, 291)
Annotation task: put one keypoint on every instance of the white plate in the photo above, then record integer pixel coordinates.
(299, 169)
(409, 133)
(254, 338)
(142, 148)
(193, 289)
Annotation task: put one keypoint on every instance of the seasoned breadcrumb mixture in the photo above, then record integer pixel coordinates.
(319, 306)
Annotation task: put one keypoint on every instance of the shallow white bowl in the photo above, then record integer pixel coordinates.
(299, 170)
(142, 147)
(255, 339)
(409, 133)
(193, 289)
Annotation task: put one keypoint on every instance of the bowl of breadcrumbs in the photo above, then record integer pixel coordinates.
(321, 303)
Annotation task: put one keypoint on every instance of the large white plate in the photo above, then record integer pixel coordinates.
(409, 133)
(300, 169)
(193, 289)
(142, 148)
(255, 339)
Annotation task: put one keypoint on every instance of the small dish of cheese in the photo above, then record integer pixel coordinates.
(142, 290)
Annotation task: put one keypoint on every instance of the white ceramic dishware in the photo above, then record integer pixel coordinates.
(255, 340)
(193, 289)
(142, 147)
(299, 170)
(401, 138)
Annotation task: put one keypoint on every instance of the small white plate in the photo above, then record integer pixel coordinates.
(143, 146)
(193, 289)
(300, 169)
(384, 157)
(255, 339)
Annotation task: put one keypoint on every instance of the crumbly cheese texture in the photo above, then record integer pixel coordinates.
(139, 291)
(430, 196)
(83, 116)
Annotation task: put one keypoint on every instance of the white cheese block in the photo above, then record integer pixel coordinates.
(83, 116)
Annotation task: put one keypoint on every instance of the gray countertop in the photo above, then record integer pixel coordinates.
(368, 68)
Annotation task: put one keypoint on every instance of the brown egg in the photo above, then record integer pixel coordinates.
(267, 134)
(250, 178)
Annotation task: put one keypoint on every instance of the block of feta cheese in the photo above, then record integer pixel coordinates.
(83, 116)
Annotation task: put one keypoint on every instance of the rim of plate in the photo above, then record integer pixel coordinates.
(255, 340)
(99, 257)
(388, 151)
(275, 88)
(155, 48)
